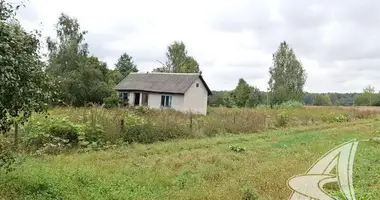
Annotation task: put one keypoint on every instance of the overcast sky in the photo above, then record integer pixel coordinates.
(337, 41)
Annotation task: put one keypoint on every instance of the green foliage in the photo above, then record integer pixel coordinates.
(114, 77)
(139, 130)
(368, 97)
(149, 132)
(322, 100)
(93, 133)
(241, 93)
(132, 119)
(331, 118)
(283, 120)
(254, 98)
(125, 65)
(63, 129)
(80, 78)
(178, 60)
(287, 76)
(7, 156)
(228, 100)
(24, 87)
(249, 194)
(112, 101)
(50, 134)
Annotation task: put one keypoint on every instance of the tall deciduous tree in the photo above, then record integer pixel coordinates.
(81, 78)
(228, 100)
(125, 65)
(367, 98)
(287, 76)
(241, 93)
(24, 86)
(323, 100)
(178, 60)
(369, 92)
(254, 99)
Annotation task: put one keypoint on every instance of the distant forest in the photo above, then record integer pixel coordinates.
(337, 99)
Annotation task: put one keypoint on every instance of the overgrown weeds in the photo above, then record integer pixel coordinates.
(63, 129)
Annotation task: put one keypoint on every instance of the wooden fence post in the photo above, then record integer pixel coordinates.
(122, 125)
(191, 121)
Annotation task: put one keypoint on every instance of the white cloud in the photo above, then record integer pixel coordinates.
(231, 39)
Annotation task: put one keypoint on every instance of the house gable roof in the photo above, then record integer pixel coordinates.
(174, 83)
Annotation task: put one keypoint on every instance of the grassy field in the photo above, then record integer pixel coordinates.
(199, 168)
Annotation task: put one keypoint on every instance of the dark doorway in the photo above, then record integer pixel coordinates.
(137, 99)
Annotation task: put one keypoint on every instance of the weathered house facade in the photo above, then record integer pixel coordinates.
(187, 92)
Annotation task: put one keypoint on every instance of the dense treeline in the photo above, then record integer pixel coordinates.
(317, 99)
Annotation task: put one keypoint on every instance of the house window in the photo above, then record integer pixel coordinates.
(123, 95)
(197, 84)
(166, 101)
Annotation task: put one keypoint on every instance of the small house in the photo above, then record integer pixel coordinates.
(187, 92)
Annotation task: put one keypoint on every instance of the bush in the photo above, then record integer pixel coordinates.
(332, 117)
(63, 129)
(283, 120)
(341, 118)
(50, 135)
(112, 101)
(93, 133)
(249, 194)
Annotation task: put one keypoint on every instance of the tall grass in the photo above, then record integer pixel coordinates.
(145, 125)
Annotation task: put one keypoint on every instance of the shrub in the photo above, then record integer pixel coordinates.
(283, 120)
(93, 133)
(249, 194)
(64, 129)
(50, 135)
(112, 101)
(340, 118)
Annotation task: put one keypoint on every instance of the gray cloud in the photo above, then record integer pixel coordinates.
(325, 31)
